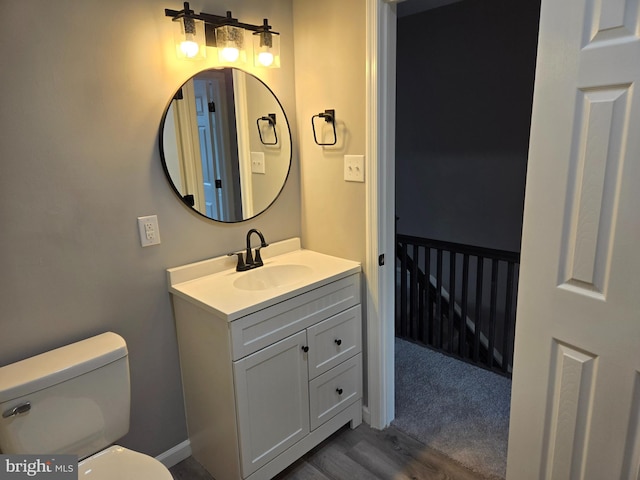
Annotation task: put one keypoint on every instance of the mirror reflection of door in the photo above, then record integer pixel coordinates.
(215, 113)
(209, 148)
(204, 112)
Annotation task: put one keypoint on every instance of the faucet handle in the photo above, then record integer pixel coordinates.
(241, 265)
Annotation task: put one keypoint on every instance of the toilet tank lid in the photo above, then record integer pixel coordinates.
(50, 368)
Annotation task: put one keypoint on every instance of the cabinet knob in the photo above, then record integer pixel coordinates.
(338, 341)
(305, 348)
(339, 390)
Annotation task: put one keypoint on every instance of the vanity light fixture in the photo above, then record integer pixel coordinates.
(189, 34)
(227, 34)
(230, 44)
(266, 47)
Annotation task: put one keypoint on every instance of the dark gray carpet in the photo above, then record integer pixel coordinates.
(453, 407)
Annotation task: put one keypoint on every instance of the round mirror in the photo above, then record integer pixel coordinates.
(225, 145)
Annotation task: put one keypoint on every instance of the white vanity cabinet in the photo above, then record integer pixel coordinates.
(264, 388)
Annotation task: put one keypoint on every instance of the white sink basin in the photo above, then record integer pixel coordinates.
(271, 276)
(288, 270)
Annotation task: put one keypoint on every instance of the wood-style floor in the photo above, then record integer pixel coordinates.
(360, 454)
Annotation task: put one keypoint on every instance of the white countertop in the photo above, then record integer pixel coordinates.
(216, 292)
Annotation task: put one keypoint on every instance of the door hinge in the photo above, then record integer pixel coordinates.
(218, 183)
(381, 260)
(212, 107)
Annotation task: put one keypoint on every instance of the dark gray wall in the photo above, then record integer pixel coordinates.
(465, 87)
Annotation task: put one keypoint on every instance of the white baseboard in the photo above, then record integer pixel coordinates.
(175, 454)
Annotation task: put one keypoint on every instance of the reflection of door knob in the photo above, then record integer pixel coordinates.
(339, 390)
(338, 341)
(305, 349)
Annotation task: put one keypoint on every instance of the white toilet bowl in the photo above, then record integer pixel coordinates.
(119, 463)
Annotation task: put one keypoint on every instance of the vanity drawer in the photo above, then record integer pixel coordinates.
(334, 390)
(334, 340)
(260, 329)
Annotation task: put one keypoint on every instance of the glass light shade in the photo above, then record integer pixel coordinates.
(189, 37)
(231, 45)
(266, 49)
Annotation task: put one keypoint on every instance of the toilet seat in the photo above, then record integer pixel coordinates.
(120, 463)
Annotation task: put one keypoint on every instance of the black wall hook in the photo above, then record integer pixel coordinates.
(329, 116)
(271, 120)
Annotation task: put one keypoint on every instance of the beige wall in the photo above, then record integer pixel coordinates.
(330, 53)
(84, 85)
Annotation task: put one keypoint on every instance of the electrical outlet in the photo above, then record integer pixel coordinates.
(149, 231)
(354, 168)
(257, 162)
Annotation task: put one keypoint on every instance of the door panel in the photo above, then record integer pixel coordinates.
(575, 400)
(209, 149)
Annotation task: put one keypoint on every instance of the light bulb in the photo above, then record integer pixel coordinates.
(266, 48)
(189, 48)
(265, 58)
(230, 54)
(189, 38)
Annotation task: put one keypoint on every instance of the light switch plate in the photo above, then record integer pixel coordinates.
(354, 168)
(257, 162)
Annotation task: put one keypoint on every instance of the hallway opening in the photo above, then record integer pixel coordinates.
(465, 76)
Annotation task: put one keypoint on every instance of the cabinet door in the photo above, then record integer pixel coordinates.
(272, 396)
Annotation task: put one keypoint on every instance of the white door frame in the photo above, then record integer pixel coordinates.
(380, 211)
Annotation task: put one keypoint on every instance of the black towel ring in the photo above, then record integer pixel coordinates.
(271, 119)
(329, 117)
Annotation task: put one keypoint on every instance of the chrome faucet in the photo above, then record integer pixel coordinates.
(250, 260)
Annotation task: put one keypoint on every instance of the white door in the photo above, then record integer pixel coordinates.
(208, 151)
(576, 378)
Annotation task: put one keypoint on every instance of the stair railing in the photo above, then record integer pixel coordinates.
(458, 299)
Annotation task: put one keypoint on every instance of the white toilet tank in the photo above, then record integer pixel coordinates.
(71, 400)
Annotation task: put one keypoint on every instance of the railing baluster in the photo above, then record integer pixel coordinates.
(438, 317)
(403, 291)
(421, 323)
(463, 315)
(429, 299)
(478, 315)
(413, 294)
(506, 339)
(452, 299)
(398, 290)
(492, 311)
